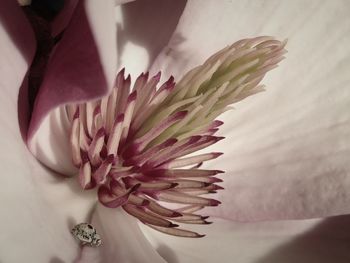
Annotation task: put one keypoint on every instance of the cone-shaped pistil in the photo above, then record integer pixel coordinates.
(138, 145)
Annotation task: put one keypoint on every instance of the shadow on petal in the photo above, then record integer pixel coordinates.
(167, 253)
(148, 24)
(328, 242)
(56, 260)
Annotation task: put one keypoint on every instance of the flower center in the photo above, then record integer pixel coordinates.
(138, 144)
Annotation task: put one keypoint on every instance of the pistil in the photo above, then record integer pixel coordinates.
(138, 145)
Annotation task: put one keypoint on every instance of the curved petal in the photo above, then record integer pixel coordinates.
(144, 28)
(87, 49)
(288, 149)
(303, 241)
(122, 240)
(37, 210)
(138, 24)
(61, 21)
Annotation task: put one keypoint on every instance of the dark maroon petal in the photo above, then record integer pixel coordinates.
(61, 21)
(17, 28)
(79, 69)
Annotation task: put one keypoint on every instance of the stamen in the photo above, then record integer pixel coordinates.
(147, 218)
(74, 139)
(85, 174)
(192, 160)
(115, 135)
(138, 144)
(176, 231)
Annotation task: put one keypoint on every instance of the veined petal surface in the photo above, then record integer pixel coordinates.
(289, 146)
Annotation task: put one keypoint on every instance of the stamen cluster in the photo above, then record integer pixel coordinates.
(138, 144)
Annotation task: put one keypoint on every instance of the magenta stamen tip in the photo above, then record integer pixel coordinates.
(173, 185)
(176, 214)
(217, 154)
(76, 114)
(132, 96)
(120, 118)
(214, 202)
(101, 132)
(110, 158)
(157, 76)
(97, 110)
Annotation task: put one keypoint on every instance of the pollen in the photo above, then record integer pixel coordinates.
(139, 144)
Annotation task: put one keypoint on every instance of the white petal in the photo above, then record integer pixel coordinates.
(286, 150)
(82, 67)
(139, 33)
(122, 240)
(144, 28)
(303, 241)
(37, 209)
(51, 145)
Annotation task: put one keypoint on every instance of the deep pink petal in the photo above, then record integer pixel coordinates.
(63, 18)
(82, 67)
(37, 210)
(86, 49)
(69, 78)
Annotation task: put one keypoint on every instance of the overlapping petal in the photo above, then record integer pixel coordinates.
(35, 222)
(93, 55)
(123, 241)
(87, 48)
(304, 241)
(291, 144)
(289, 147)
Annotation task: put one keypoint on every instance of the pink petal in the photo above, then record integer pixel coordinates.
(87, 49)
(303, 241)
(286, 150)
(37, 210)
(62, 20)
(82, 80)
(82, 67)
(122, 240)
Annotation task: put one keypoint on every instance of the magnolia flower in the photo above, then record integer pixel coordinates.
(285, 151)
